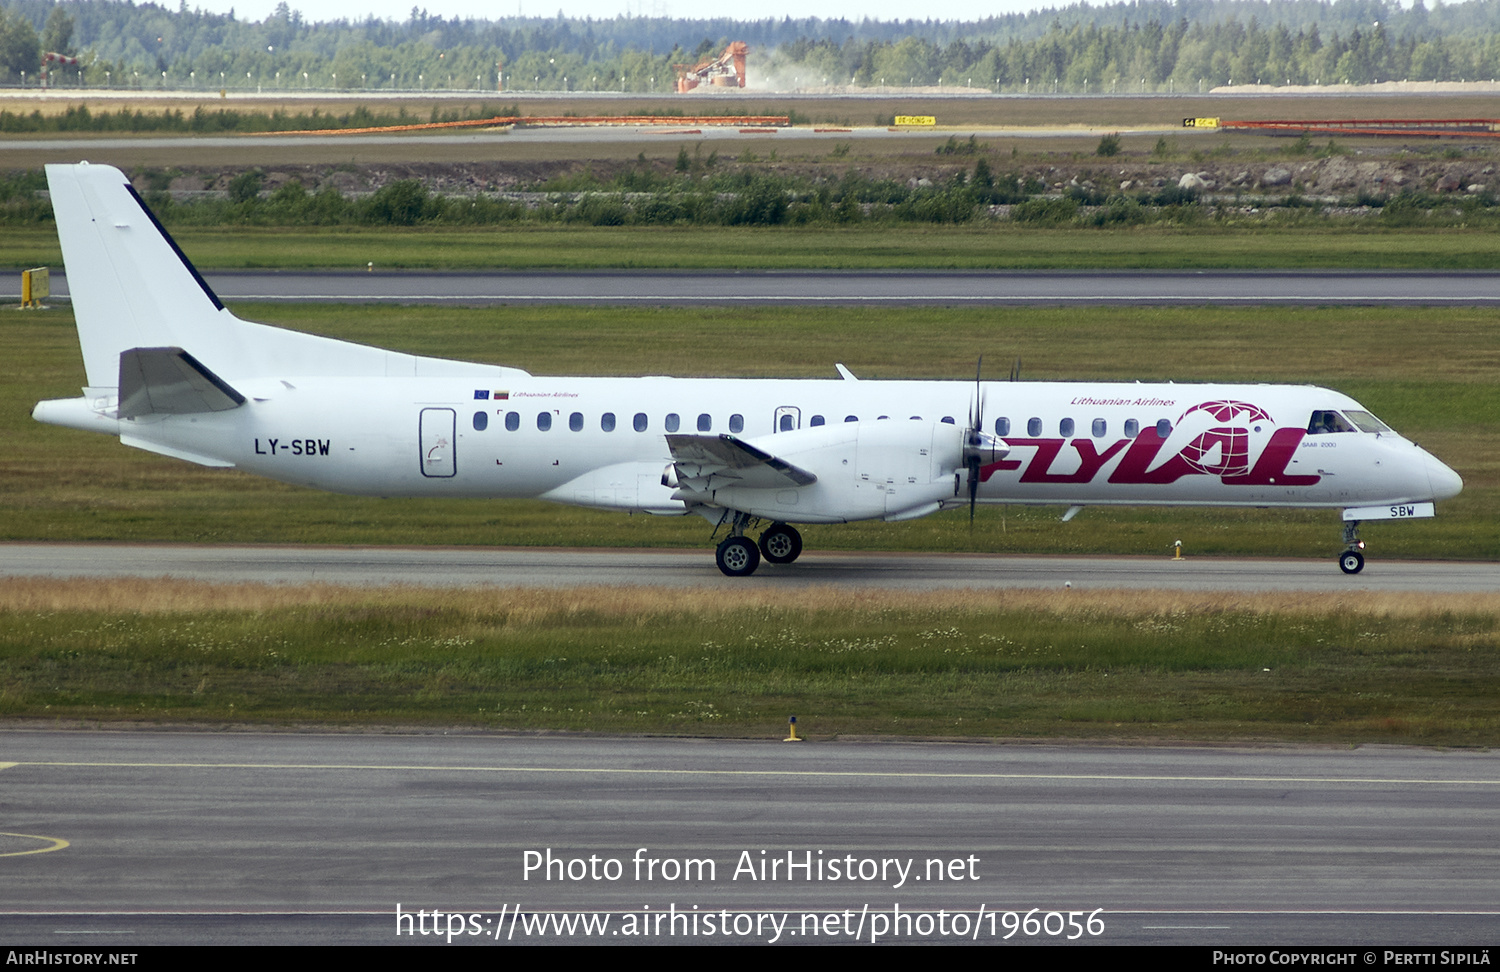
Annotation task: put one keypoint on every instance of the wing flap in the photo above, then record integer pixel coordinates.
(711, 461)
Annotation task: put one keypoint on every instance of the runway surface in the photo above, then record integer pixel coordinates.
(874, 287)
(497, 140)
(187, 837)
(527, 567)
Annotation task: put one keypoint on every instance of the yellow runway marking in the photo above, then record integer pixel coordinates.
(809, 774)
(57, 844)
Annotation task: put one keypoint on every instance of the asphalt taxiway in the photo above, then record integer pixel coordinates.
(853, 287)
(128, 839)
(568, 567)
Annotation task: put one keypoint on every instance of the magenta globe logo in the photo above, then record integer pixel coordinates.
(1223, 449)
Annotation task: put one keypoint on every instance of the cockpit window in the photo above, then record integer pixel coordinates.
(1365, 422)
(1325, 422)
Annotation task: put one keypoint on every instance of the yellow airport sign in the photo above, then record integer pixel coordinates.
(1200, 123)
(36, 285)
(927, 120)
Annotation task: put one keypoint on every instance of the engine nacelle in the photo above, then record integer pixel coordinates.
(866, 470)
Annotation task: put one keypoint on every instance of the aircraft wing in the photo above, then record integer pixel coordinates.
(713, 461)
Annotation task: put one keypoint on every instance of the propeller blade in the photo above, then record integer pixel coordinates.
(973, 488)
(976, 420)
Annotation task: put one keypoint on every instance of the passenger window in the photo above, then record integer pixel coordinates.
(815, 420)
(881, 418)
(736, 422)
(575, 421)
(543, 421)
(948, 420)
(1163, 428)
(1002, 426)
(916, 418)
(788, 422)
(640, 421)
(705, 422)
(1065, 428)
(1100, 428)
(481, 421)
(851, 418)
(1132, 428)
(672, 422)
(1033, 427)
(607, 421)
(512, 421)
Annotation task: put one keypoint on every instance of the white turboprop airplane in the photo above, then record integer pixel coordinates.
(172, 371)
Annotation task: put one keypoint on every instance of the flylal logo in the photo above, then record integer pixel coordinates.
(1236, 441)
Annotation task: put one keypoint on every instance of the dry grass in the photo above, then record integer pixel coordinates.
(1397, 669)
(543, 605)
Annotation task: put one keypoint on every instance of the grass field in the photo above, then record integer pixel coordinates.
(1209, 667)
(1428, 372)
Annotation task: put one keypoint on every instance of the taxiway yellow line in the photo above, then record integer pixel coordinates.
(57, 844)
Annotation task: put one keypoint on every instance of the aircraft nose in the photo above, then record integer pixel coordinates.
(1445, 483)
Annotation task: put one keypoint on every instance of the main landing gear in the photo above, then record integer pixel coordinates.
(1352, 560)
(780, 544)
(739, 556)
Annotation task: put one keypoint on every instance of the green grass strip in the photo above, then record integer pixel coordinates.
(1394, 669)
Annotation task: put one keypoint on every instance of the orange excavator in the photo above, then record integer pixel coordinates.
(725, 71)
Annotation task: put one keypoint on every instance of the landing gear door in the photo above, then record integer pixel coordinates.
(788, 419)
(437, 434)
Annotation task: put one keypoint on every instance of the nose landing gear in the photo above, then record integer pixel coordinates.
(1352, 560)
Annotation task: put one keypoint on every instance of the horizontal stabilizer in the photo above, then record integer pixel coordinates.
(169, 381)
(727, 458)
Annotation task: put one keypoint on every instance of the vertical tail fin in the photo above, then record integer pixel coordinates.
(131, 286)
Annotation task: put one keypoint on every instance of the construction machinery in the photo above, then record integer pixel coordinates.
(725, 71)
